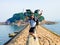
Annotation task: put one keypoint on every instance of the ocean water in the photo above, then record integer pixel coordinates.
(54, 28)
(5, 30)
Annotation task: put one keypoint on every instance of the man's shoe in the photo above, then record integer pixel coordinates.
(34, 38)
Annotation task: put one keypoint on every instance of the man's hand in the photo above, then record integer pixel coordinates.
(41, 11)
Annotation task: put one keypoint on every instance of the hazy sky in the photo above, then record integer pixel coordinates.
(51, 8)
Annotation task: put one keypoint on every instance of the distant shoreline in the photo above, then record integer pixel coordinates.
(3, 23)
(50, 22)
(47, 22)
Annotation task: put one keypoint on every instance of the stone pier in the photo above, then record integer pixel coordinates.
(44, 37)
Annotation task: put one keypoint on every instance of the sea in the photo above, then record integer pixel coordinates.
(54, 27)
(6, 29)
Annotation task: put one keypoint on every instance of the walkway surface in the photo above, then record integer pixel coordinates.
(32, 41)
(44, 37)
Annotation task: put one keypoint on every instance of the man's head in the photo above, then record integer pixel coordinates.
(32, 16)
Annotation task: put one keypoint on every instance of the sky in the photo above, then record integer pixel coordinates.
(51, 8)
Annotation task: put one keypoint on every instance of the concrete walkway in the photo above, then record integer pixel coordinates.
(47, 37)
(32, 41)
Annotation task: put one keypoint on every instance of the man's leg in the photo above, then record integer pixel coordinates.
(32, 35)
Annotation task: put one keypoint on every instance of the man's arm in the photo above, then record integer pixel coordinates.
(40, 13)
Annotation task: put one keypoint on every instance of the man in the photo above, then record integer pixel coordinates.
(32, 25)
